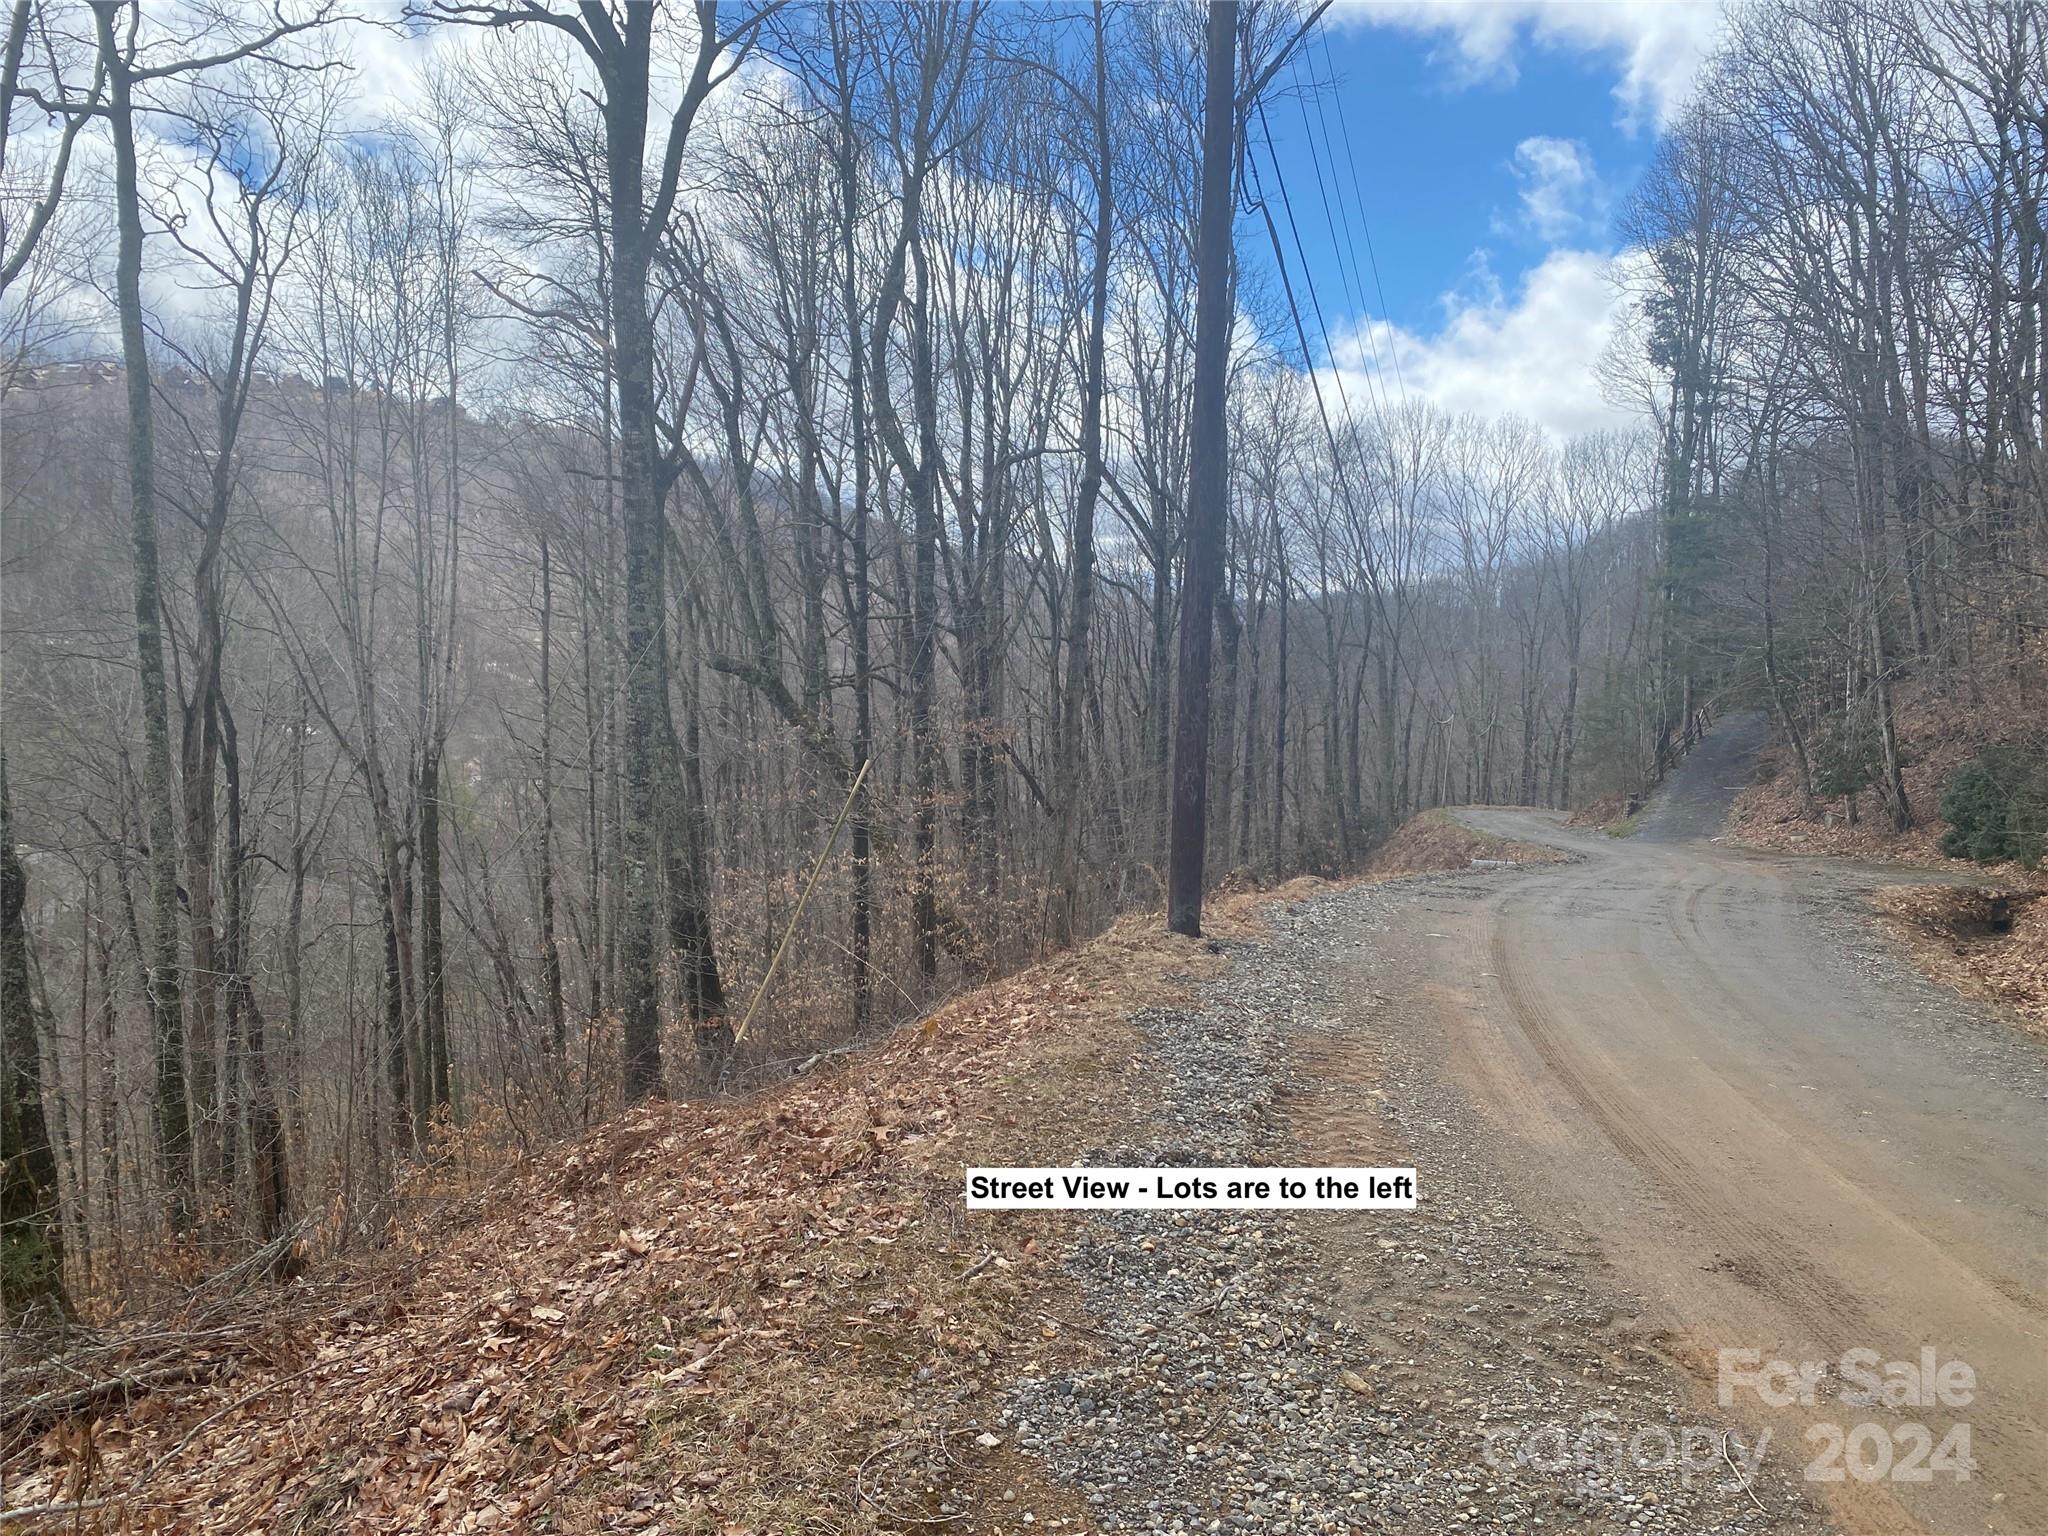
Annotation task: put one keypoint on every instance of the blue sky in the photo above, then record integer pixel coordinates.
(1495, 142)
(1437, 164)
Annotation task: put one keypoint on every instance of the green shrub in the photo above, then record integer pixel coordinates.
(1997, 808)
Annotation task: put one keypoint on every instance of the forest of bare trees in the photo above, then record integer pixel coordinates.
(460, 555)
(1843, 347)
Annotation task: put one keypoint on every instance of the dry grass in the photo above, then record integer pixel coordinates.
(1610, 813)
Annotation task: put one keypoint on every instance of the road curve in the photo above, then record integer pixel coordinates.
(1781, 1142)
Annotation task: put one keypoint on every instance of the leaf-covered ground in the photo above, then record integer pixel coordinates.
(1435, 841)
(1937, 736)
(1989, 942)
(770, 1314)
(703, 1317)
(766, 1314)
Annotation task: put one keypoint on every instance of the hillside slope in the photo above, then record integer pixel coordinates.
(763, 1312)
(1938, 734)
(702, 1317)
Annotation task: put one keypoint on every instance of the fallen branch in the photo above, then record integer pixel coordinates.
(1740, 1481)
(38, 1413)
(241, 1402)
(46, 1511)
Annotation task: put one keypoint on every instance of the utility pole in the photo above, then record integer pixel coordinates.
(1207, 470)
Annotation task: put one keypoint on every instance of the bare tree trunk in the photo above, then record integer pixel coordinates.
(31, 1232)
(596, 708)
(860, 833)
(1068, 797)
(1159, 689)
(199, 755)
(294, 938)
(686, 876)
(646, 586)
(1279, 864)
(550, 953)
(173, 1114)
(433, 1088)
(395, 904)
(266, 1141)
(1254, 711)
(1230, 849)
(924, 626)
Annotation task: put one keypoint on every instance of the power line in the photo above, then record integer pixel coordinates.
(1315, 303)
(1347, 274)
(1294, 309)
(1364, 224)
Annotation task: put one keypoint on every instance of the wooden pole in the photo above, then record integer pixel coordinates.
(1208, 488)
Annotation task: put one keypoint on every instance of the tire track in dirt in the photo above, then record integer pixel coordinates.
(1756, 1257)
(1787, 1148)
(1743, 1250)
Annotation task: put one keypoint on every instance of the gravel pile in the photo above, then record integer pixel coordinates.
(1307, 1372)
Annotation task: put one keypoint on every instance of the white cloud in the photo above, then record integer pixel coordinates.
(1534, 353)
(1659, 45)
(1561, 194)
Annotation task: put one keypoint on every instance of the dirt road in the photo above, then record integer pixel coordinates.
(1701, 1060)
(1666, 1099)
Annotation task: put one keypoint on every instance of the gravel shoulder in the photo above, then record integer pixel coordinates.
(1460, 1367)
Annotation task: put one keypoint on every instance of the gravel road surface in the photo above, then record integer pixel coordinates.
(1668, 1099)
